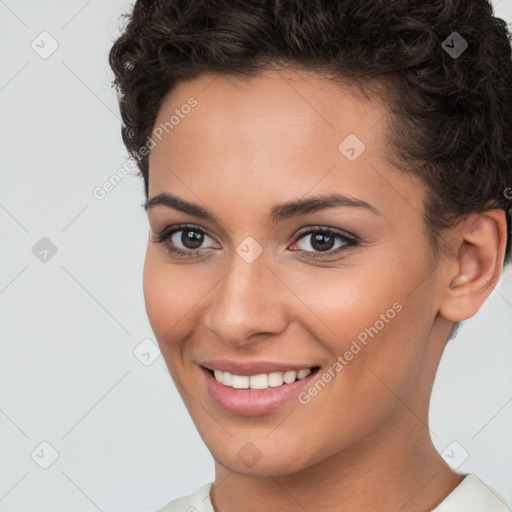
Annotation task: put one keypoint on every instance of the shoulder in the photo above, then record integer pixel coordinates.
(198, 502)
(473, 495)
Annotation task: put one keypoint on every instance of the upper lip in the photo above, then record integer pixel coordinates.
(253, 367)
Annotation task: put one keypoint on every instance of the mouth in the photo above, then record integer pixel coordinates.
(256, 393)
(262, 380)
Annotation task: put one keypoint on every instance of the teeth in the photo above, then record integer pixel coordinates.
(239, 381)
(260, 381)
(226, 378)
(303, 373)
(289, 376)
(275, 379)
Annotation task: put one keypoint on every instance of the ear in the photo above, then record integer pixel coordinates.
(478, 247)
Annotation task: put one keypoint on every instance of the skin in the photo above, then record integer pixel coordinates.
(362, 443)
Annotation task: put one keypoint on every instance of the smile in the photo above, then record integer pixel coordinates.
(257, 392)
(260, 381)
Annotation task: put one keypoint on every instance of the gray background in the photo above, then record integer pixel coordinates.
(79, 369)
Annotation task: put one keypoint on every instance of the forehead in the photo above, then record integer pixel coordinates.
(294, 104)
(278, 131)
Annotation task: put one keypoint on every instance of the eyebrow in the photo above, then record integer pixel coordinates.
(277, 213)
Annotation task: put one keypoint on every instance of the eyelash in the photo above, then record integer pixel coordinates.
(167, 233)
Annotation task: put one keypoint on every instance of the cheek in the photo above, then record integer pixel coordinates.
(369, 319)
(169, 297)
(340, 305)
(374, 357)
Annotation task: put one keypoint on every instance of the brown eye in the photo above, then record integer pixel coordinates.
(324, 242)
(190, 238)
(183, 240)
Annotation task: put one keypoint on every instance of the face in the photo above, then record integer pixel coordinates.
(240, 283)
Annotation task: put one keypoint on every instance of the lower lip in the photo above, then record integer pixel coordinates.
(251, 402)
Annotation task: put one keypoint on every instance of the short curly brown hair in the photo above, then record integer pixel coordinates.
(451, 112)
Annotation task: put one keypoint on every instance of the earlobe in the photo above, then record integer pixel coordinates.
(474, 272)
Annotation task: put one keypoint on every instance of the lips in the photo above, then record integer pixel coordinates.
(251, 402)
(249, 368)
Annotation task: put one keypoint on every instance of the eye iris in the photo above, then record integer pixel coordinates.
(191, 239)
(320, 239)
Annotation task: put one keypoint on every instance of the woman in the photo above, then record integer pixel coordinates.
(326, 186)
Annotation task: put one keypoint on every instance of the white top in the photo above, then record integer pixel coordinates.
(471, 495)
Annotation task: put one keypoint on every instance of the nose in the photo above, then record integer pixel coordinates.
(248, 301)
